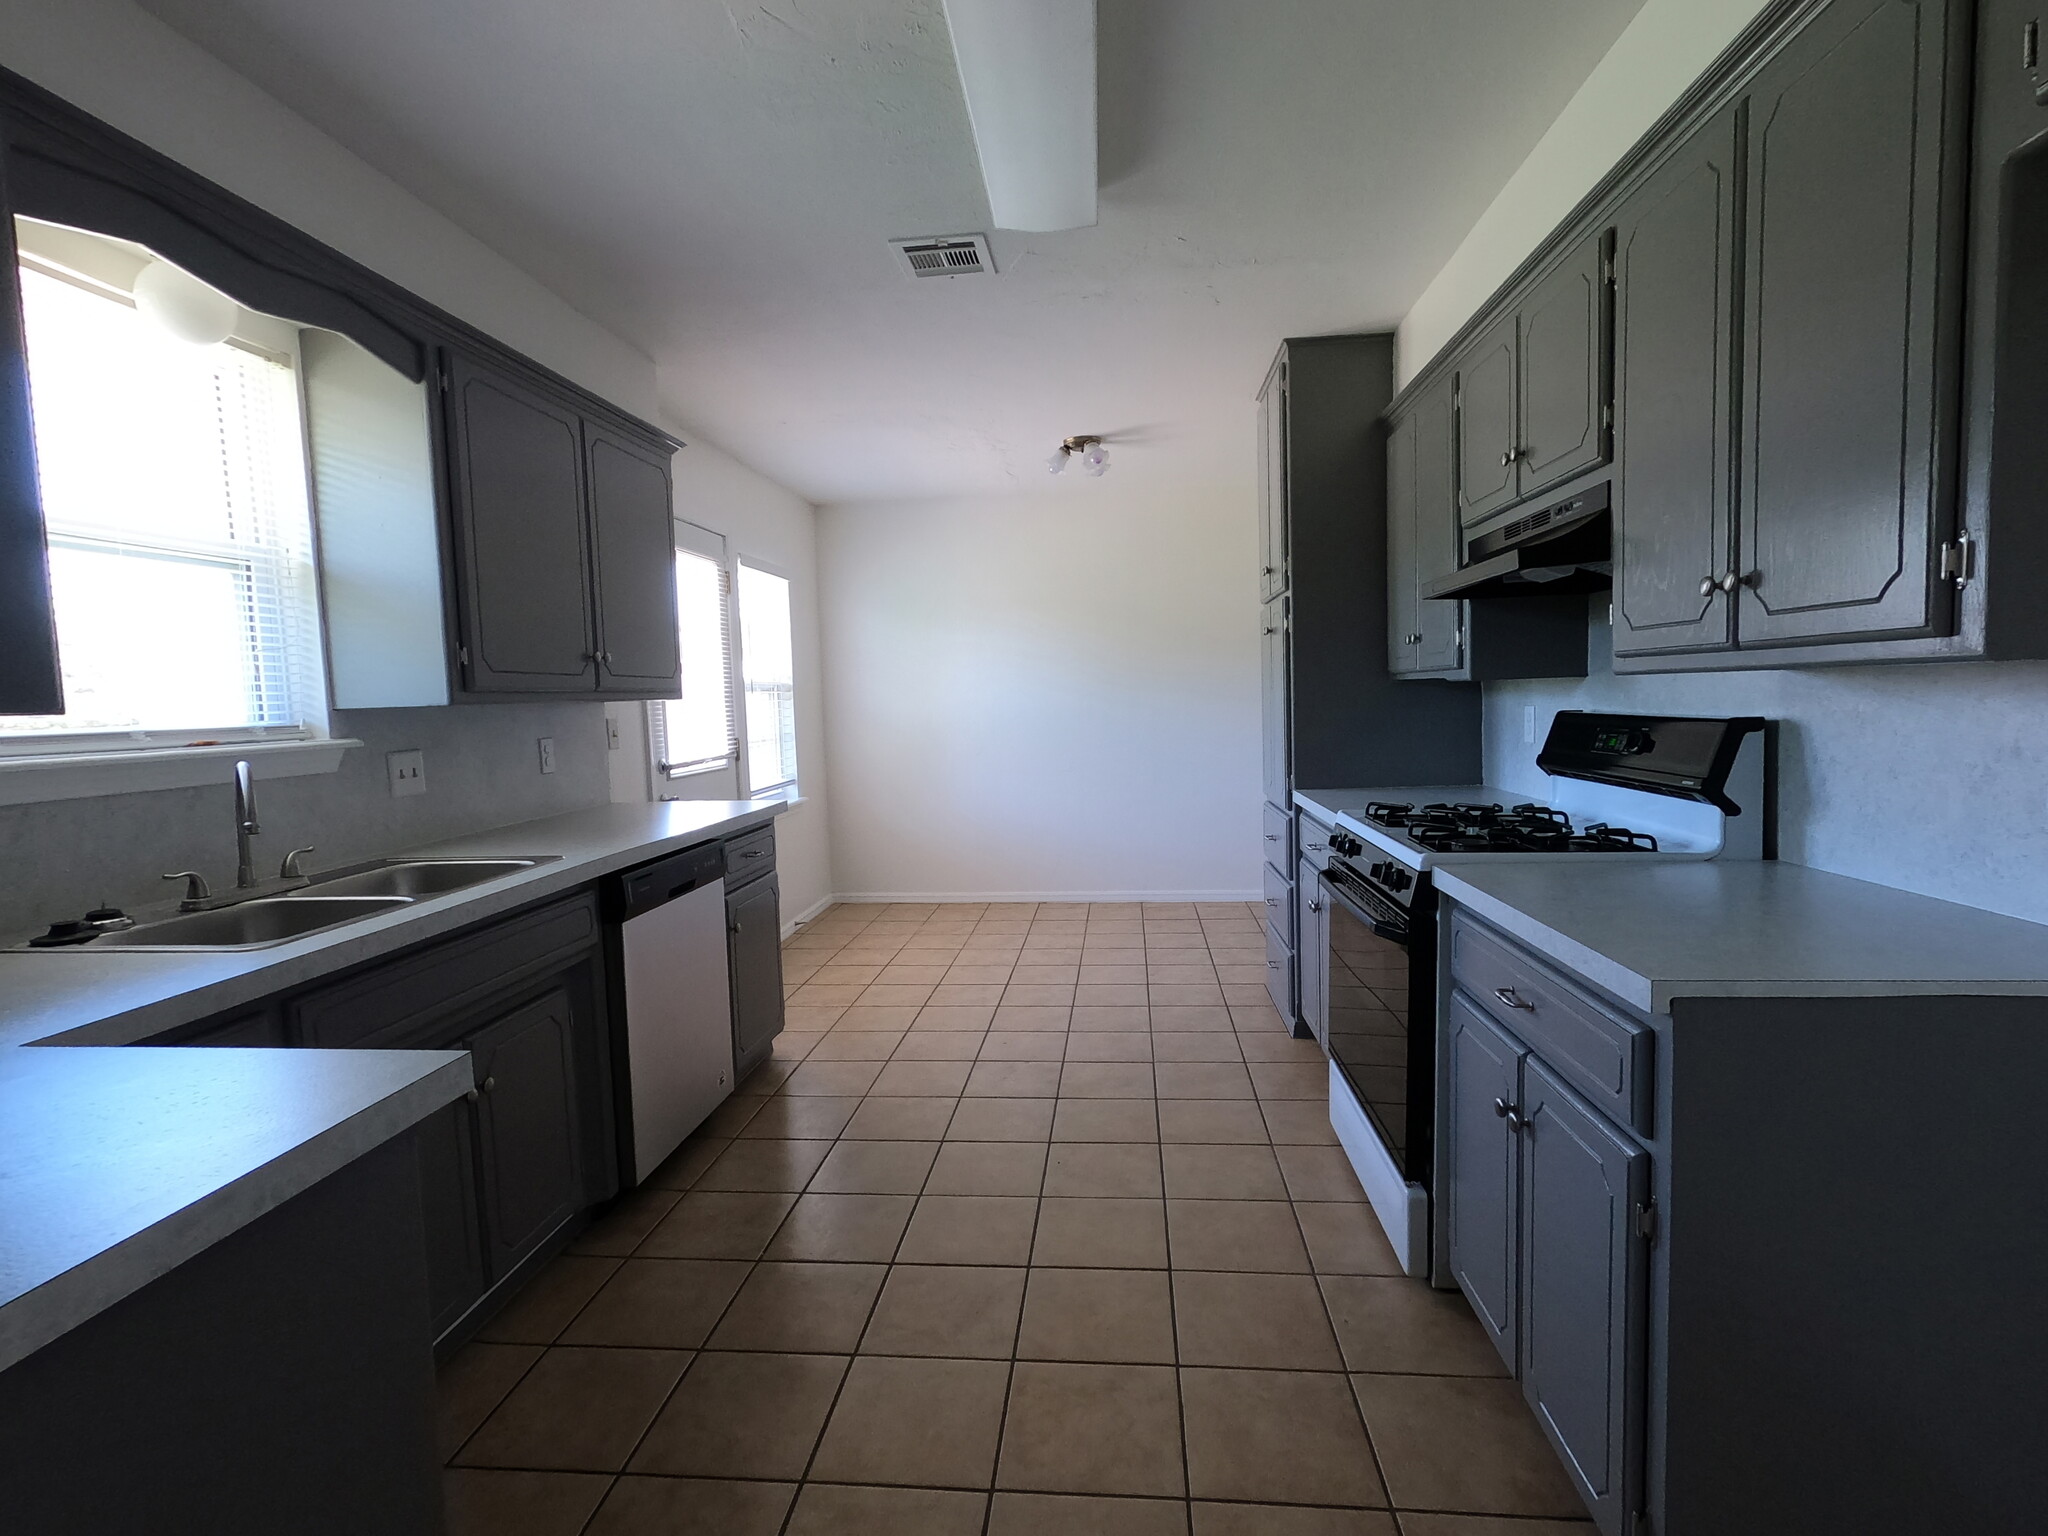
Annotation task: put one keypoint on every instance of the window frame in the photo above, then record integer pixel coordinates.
(168, 757)
(784, 789)
(708, 544)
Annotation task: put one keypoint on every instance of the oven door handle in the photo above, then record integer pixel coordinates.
(1383, 919)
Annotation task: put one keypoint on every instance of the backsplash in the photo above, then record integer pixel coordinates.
(1928, 778)
(483, 770)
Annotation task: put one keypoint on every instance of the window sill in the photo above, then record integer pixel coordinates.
(86, 775)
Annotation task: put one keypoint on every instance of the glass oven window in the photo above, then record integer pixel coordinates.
(1368, 1004)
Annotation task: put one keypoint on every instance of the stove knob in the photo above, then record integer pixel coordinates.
(1398, 878)
(1379, 872)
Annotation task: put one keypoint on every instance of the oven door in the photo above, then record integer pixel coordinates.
(1371, 961)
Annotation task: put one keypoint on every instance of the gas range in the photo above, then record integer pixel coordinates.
(1621, 787)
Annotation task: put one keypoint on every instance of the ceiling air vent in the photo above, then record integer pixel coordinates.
(945, 255)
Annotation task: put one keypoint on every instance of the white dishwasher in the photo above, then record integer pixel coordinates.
(678, 999)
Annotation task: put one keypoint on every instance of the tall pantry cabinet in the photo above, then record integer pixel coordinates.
(1334, 716)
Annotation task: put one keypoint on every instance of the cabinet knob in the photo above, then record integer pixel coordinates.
(1730, 581)
(1507, 995)
(1414, 639)
(488, 1084)
(1315, 906)
(1506, 1111)
(1708, 586)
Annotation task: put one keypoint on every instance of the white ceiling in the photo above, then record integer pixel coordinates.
(717, 183)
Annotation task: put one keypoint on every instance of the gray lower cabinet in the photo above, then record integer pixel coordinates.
(1312, 948)
(1675, 258)
(1275, 738)
(529, 1134)
(1548, 1208)
(753, 916)
(445, 1150)
(1584, 1196)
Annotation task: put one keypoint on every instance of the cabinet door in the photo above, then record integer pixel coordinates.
(1562, 374)
(529, 1124)
(445, 1147)
(1404, 594)
(1480, 1141)
(1675, 258)
(1276, 723)
(1584, 1277)
(30, 680)
(632, 541)
(1439, 544)
(1852, 268)
(1486, 424)
(1312, 951)
(1273, 484)
(516, 459)
(753, 916)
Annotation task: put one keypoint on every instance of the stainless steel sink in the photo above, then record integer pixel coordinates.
(414, 878)
(252, 924)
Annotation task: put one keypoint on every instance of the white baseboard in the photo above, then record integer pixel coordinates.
(790, 927)
(980, 896)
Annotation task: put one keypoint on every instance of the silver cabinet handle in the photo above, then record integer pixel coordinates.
(1272, 965)
(1316, 847)
(1315, 906)
(1506, 1111)
(1415, 639)
(1507, 995)
(1271, 902)
(1271, 837)
(1708, 586)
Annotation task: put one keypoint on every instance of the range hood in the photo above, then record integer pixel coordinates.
(1564, 547)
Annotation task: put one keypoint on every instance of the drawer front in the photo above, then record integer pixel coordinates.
(1279, 843)
(1315, 843)
(750, 855)
(1603, 1055)
(1280, 905)
(409, 993)
(1280, 974)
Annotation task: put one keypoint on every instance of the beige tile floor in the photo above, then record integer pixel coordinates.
(1034, 1224)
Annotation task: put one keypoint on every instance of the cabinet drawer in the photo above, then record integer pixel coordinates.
(1280, 905)
(750, 855)
(1604, 1056)
(1315, 843)
(1279, 843)
(447, 978)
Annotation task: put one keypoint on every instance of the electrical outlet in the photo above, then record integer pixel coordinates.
(408, 773)
(547, 754)
(1529, 723)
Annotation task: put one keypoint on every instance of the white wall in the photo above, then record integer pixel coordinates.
(1659, 54)
(1926, 777)
(121, 64)
(775, 528)
(1049, 694)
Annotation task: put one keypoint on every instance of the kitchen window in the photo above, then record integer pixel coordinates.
(694, 733)
(768, 669)
(173, 479)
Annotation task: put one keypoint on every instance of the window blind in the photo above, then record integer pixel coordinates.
(768, 667)
(694, 733)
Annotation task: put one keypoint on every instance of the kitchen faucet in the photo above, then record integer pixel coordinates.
(199, 899)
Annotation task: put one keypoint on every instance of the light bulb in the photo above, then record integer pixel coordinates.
(179, 302)
(1058, 462)
(1096, 459)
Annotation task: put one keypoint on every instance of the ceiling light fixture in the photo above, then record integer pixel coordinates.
(1089, 450)
(1028, 70)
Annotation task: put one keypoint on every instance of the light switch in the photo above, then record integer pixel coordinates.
(407, 771)
(1529, 723)
(547, 754)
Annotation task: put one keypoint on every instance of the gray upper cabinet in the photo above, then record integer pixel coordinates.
(1675, 263)
(632, 535)
(1423, 636)
(30, 683)
(517, 465)
(1561, 389)
(1853, 270)
(1585, 1194)
(564, 544)
(1273, 551)
(1533, 390)
(1486, 424)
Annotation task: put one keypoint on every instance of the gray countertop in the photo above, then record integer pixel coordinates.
(1647, 933)
(92, 996)
(118, 1165)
